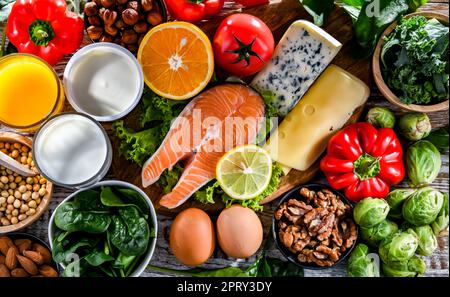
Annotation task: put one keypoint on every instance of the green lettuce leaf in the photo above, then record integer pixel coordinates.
(319, 10)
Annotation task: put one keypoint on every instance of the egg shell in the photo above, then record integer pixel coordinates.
(239, 232)
(192, 239)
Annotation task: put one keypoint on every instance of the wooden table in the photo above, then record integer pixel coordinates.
(437, 265)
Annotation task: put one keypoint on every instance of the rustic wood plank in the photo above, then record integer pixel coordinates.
(437, 264)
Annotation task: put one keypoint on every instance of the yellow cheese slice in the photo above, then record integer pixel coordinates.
(303, 135)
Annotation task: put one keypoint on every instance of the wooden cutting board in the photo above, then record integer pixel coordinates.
(279, 15)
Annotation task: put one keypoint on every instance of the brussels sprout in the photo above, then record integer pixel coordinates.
(423, 207)
(370, 212)
(423, 163)
(414, 126)
(378, 232)
(395, 199)
(399, 246)
(440, 225)
(360, 265)
(427, 240)
(410, 268)
(381, 117)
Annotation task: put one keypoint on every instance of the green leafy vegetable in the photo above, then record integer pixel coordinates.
(262, 267)
(381, 117)
(415, 60)
(409, 268)
(111, 199)
(319, 10)
(369, 212)
(399, 246)
(169, 178)
(129, 232)
(423, 163)
(360, 265)
(98, 257)
(439, 138)
(427, 240)
(395, 199)
(379, 232)
(423, 207)
(69, 217)
(414, 126)
(440, 225)
(206, 195)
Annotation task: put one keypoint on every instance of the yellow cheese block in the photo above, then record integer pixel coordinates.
(303, 135)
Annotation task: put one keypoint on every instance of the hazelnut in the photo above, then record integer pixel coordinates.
(120, 24)
(147, 5)
(108, 3)
(130, 16)
(90, 9)
(140, 27)
(94, 33)
(106, 38)
(129, 37)
(121, 2)
(111, 30)
(154, 18)
(95, 20)
(109, 17)
(133, 5)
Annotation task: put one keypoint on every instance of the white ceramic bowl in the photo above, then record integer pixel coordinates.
(80, 103)
(115, 183)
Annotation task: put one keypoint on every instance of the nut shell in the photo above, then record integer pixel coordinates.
(19, 272)
(43, 251)
(48, 271)
(34, 256)
(130, 16)
(11, 258)
(28, 265)
(4, 271)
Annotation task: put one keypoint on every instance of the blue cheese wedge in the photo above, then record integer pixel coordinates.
(302, 54)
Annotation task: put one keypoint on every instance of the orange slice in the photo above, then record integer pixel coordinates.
(177, 60)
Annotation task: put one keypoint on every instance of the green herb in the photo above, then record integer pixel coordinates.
(370, 17)
(439, 138)
(262, 267)
(107, 229)
(319, 10)
(415, 60)
(169, 178)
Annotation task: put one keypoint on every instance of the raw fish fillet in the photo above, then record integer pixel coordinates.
(214, 122)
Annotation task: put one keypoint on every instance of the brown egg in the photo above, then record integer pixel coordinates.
(239, 232)
(192, 237)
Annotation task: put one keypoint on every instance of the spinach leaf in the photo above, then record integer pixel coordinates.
(352, 7)
(111, 199)
(90, 200)
(76, 268)
(129, 232)
(319, 10)
(97, 257)
(439, 138)
(200, 272)
(68, 243)
(415, 4)
(123, 261)
(69, 217)
(135, 198)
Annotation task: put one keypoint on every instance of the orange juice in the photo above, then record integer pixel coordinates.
(30, 91)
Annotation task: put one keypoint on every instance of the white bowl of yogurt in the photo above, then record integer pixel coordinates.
(72, 150)
(103, 80)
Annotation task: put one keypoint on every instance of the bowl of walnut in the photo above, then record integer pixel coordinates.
(124, 22)
(313, 227)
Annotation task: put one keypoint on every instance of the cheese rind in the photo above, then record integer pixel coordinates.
(303, 52)
(303, 135)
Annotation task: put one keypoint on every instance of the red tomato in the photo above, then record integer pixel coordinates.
(243, 44)
(250, 3)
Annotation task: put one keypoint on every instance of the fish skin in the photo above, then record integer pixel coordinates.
(203, 150)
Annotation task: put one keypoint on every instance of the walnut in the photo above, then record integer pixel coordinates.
(286, 238)
(280, 211)
(309, 195)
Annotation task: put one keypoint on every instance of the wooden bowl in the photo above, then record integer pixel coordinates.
(376, 69)
(13, 137)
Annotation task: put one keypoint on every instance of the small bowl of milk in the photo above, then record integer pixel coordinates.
(72, 150)
(103, 80)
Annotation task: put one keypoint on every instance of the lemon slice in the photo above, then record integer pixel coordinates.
(244, 172)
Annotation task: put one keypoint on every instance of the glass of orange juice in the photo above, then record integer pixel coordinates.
(30, 92)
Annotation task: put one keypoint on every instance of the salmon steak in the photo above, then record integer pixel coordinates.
(213, 123)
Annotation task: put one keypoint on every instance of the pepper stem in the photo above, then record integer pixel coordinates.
(41, 32)
(367, 166)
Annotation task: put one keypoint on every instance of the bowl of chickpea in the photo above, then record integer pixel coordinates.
(22, 199)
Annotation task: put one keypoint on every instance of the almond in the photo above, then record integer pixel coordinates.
(19, 272)
(5, 244)
(23, 244)
(48, 271)
(2, 259)
(4, 271)
(11, 258)
(34, 256)
(28, 265)
(43, 251)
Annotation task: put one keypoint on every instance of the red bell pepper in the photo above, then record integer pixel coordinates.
(363, 161)
(193, 10)
(44, 28)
